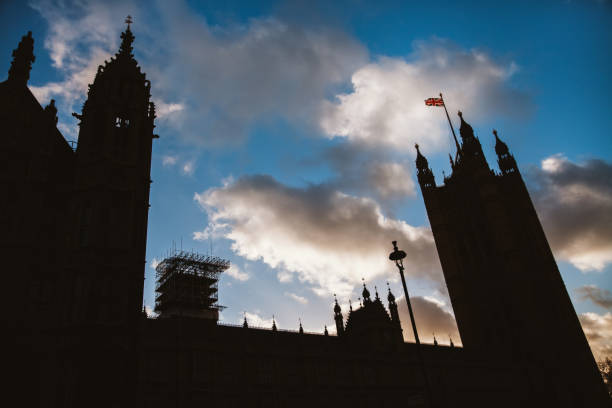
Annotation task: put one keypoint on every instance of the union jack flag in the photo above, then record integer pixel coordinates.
(434, 102)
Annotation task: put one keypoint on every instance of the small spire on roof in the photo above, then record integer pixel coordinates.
(23, 57)
(325, 332)
(301, 328)
(244, 323)
(390, 296)
(273, 324)
(125, 49)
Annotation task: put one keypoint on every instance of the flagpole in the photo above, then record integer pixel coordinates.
(451, 125)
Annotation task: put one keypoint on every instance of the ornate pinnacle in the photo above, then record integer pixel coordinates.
(23, 57)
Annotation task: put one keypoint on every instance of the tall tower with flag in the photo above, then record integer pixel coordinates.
(506, 290)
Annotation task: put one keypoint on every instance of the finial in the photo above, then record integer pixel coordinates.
(301, 329)
(337, 309)
(125, 49)
(23, 57)
(465, 130)
(245, 324)
(435, 341)
(416, 146)
(376, 291)
(325, 332)
(495, 132)
(273, 323)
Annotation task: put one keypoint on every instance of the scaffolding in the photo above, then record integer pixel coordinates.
(187, 285)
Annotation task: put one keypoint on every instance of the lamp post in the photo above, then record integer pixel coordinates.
(397, 256)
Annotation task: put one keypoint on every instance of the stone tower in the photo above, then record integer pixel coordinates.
(111, 197)
(506, 290)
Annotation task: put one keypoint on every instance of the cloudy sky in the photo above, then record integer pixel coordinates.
(287, 131)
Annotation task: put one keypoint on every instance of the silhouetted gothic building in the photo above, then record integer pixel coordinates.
(74, 225)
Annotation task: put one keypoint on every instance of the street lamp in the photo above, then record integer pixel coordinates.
(397, 256)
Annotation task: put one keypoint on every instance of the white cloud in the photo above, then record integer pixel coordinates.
(598, 331)
(169, 160)
(284, 276)
(235, 272)
(386, 106)
(149, 311)
(297, 298)
(327, 239)
(574, 202)
(162, 109)
(255, 320)
(432, 316)
(188, 167)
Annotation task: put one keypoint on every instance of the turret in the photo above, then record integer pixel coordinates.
(338, 318)
(424, 173)
(366, 295)
(113, 170)
(472, 156)
(505, 160)
(393, 307)
(23, 57)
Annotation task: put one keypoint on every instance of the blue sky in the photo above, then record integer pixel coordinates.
(287, 131)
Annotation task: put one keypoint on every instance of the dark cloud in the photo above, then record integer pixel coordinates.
(233, 77)
(328, 239)
(600, 297)
(431, 317)
(574, 202)
(364, 170)
(213, 84)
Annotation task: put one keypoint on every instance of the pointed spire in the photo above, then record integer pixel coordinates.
(424, 173)
(51, 111)
(435, 341)
(500, 147)
(127, 38)
(376, 292)
(365, 293)
(244, 323)
(301, 328)
(421, 161)
(325, 332)
(390, 296)
(23, 57)
(337, 309)
(465, 130)
(273, 324)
